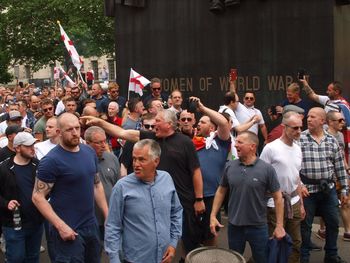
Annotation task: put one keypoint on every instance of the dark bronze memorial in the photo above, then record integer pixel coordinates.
(192, 44)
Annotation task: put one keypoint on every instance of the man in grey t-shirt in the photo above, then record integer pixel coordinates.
(248, 180)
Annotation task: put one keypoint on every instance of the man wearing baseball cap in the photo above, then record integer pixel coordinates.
(17, 177)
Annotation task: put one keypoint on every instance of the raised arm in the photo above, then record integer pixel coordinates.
(309, 91)
(113, 130)
(223, 127)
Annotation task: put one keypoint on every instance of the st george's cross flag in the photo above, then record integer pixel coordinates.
(67, 77)
(71, 49)
(137, 82)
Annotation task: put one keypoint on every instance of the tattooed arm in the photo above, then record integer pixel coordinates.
(41, 190)
(100, 196)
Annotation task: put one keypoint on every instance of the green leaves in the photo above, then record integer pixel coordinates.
(29, 33)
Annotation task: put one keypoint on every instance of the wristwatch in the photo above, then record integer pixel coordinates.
(199, 199)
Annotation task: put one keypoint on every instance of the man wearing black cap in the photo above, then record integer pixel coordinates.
(8, 150)
(17, 175)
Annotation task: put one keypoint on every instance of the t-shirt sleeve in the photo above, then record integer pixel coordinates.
(147, 135)
(192, 156)
(274, 185)
(224, 180)
(323, 99)
(46, 171)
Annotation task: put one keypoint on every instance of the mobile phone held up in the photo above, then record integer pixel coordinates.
(233, 74)
(301, 73)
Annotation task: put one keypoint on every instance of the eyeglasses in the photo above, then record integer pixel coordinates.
(155, 88)
(295, 127)
(340, 120)
(48, 109)
(100, 142)
(249, 98)
(148, 126)
(186, 119)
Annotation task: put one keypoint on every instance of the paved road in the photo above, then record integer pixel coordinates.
(316, 257)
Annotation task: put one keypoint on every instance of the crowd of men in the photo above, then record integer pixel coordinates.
(141, 178)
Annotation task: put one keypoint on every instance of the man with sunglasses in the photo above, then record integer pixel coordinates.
(113, 95)
(48, 110)
(187, 121)
(333, 101)
(322, 160)
(336, 122)
(285, 156)
(246, 111)
(148, 124)
(156, 93)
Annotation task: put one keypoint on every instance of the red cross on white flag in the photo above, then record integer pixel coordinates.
(137, 82)
(71, 49)
(67, 77)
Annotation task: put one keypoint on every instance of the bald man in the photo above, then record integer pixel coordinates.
(322, 159)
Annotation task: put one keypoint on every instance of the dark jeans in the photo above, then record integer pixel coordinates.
(256, 236)
(85, 248)
(23, 245)
(327, 207)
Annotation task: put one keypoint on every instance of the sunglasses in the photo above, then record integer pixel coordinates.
(295, 127)
(186, 119)
(113, 91)
(148, 126)
(48, 109)
(249, 98)
(155, 88)
(339, 120)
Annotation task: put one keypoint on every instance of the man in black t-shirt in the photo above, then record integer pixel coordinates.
(179, 159)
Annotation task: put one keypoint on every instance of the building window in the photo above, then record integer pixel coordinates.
(111, 69)
(94, 65)
(27, 71)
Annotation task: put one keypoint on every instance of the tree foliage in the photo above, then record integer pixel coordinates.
(29, 33)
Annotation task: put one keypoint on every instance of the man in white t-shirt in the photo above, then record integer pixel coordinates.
(246, 111)
(42, 148)
(231, 102)
(285, 156)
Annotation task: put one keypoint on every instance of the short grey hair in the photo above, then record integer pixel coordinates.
(89, 133)
(154, 148)
(170, 116)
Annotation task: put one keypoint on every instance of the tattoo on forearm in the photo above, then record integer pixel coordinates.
(41, 186)
(97, 178)
(307, 89)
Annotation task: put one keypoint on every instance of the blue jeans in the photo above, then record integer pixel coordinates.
(86, 247)
(23, 245)
(327, 207)
(257, 237)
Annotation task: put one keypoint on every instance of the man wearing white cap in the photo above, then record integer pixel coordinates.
(17, 177)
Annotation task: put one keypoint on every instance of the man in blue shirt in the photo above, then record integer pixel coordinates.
(69, 173)
(145, 211)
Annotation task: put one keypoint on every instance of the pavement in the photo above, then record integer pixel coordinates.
(316, 256)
